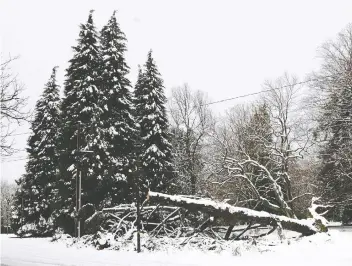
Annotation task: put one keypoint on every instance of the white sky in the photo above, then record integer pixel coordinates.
(225, 48)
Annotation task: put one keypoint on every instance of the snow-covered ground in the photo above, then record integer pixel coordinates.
(320, 249)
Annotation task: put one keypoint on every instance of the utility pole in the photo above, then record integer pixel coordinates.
(137, 199)
(78, 185)
(79, 201)
(22, 218)
(138, 215)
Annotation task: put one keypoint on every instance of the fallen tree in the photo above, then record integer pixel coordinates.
(189, 219)
(232, 214)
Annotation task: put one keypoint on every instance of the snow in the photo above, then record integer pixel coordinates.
(154, 149)
(233, 209)
(314, 213)
(320, 249)
(334, 223)
(71, 168)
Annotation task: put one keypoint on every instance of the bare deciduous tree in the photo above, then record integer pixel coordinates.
(191, 121)
(291, 137)
(7, 196)
(13, 105)
(257, 148)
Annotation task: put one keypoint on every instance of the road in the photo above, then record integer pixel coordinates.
(309, 251)
(346, 228)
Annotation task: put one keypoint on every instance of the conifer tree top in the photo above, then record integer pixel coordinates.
(88, 31)
(87, 47)
(51, 86)
(155, 150)
(83, 77)
(113, 45)
(48, 103)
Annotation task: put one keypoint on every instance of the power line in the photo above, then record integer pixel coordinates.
(47, 128)
(220, 101)
(215, 102)
(268, 90)
(18, 134)
(9, 161)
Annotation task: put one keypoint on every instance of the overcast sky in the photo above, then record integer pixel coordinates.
(225, 48)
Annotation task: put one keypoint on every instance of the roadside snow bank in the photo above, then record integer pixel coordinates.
(320, 249)
(198, 243)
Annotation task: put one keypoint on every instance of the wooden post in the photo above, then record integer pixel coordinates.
(79, 202)
(78, 189)
(138, 213)
(22, 219)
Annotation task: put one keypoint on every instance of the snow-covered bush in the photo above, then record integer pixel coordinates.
(42, 228)
(60, 234)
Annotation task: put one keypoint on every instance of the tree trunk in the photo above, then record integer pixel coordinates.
(228, 232)
(233, 214)
(193, 183)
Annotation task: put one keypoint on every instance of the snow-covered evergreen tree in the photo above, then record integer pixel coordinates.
(155, 149)
(36, 195)
(117, 116)
(81, 123)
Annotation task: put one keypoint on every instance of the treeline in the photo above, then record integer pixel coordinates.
(274, 154)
